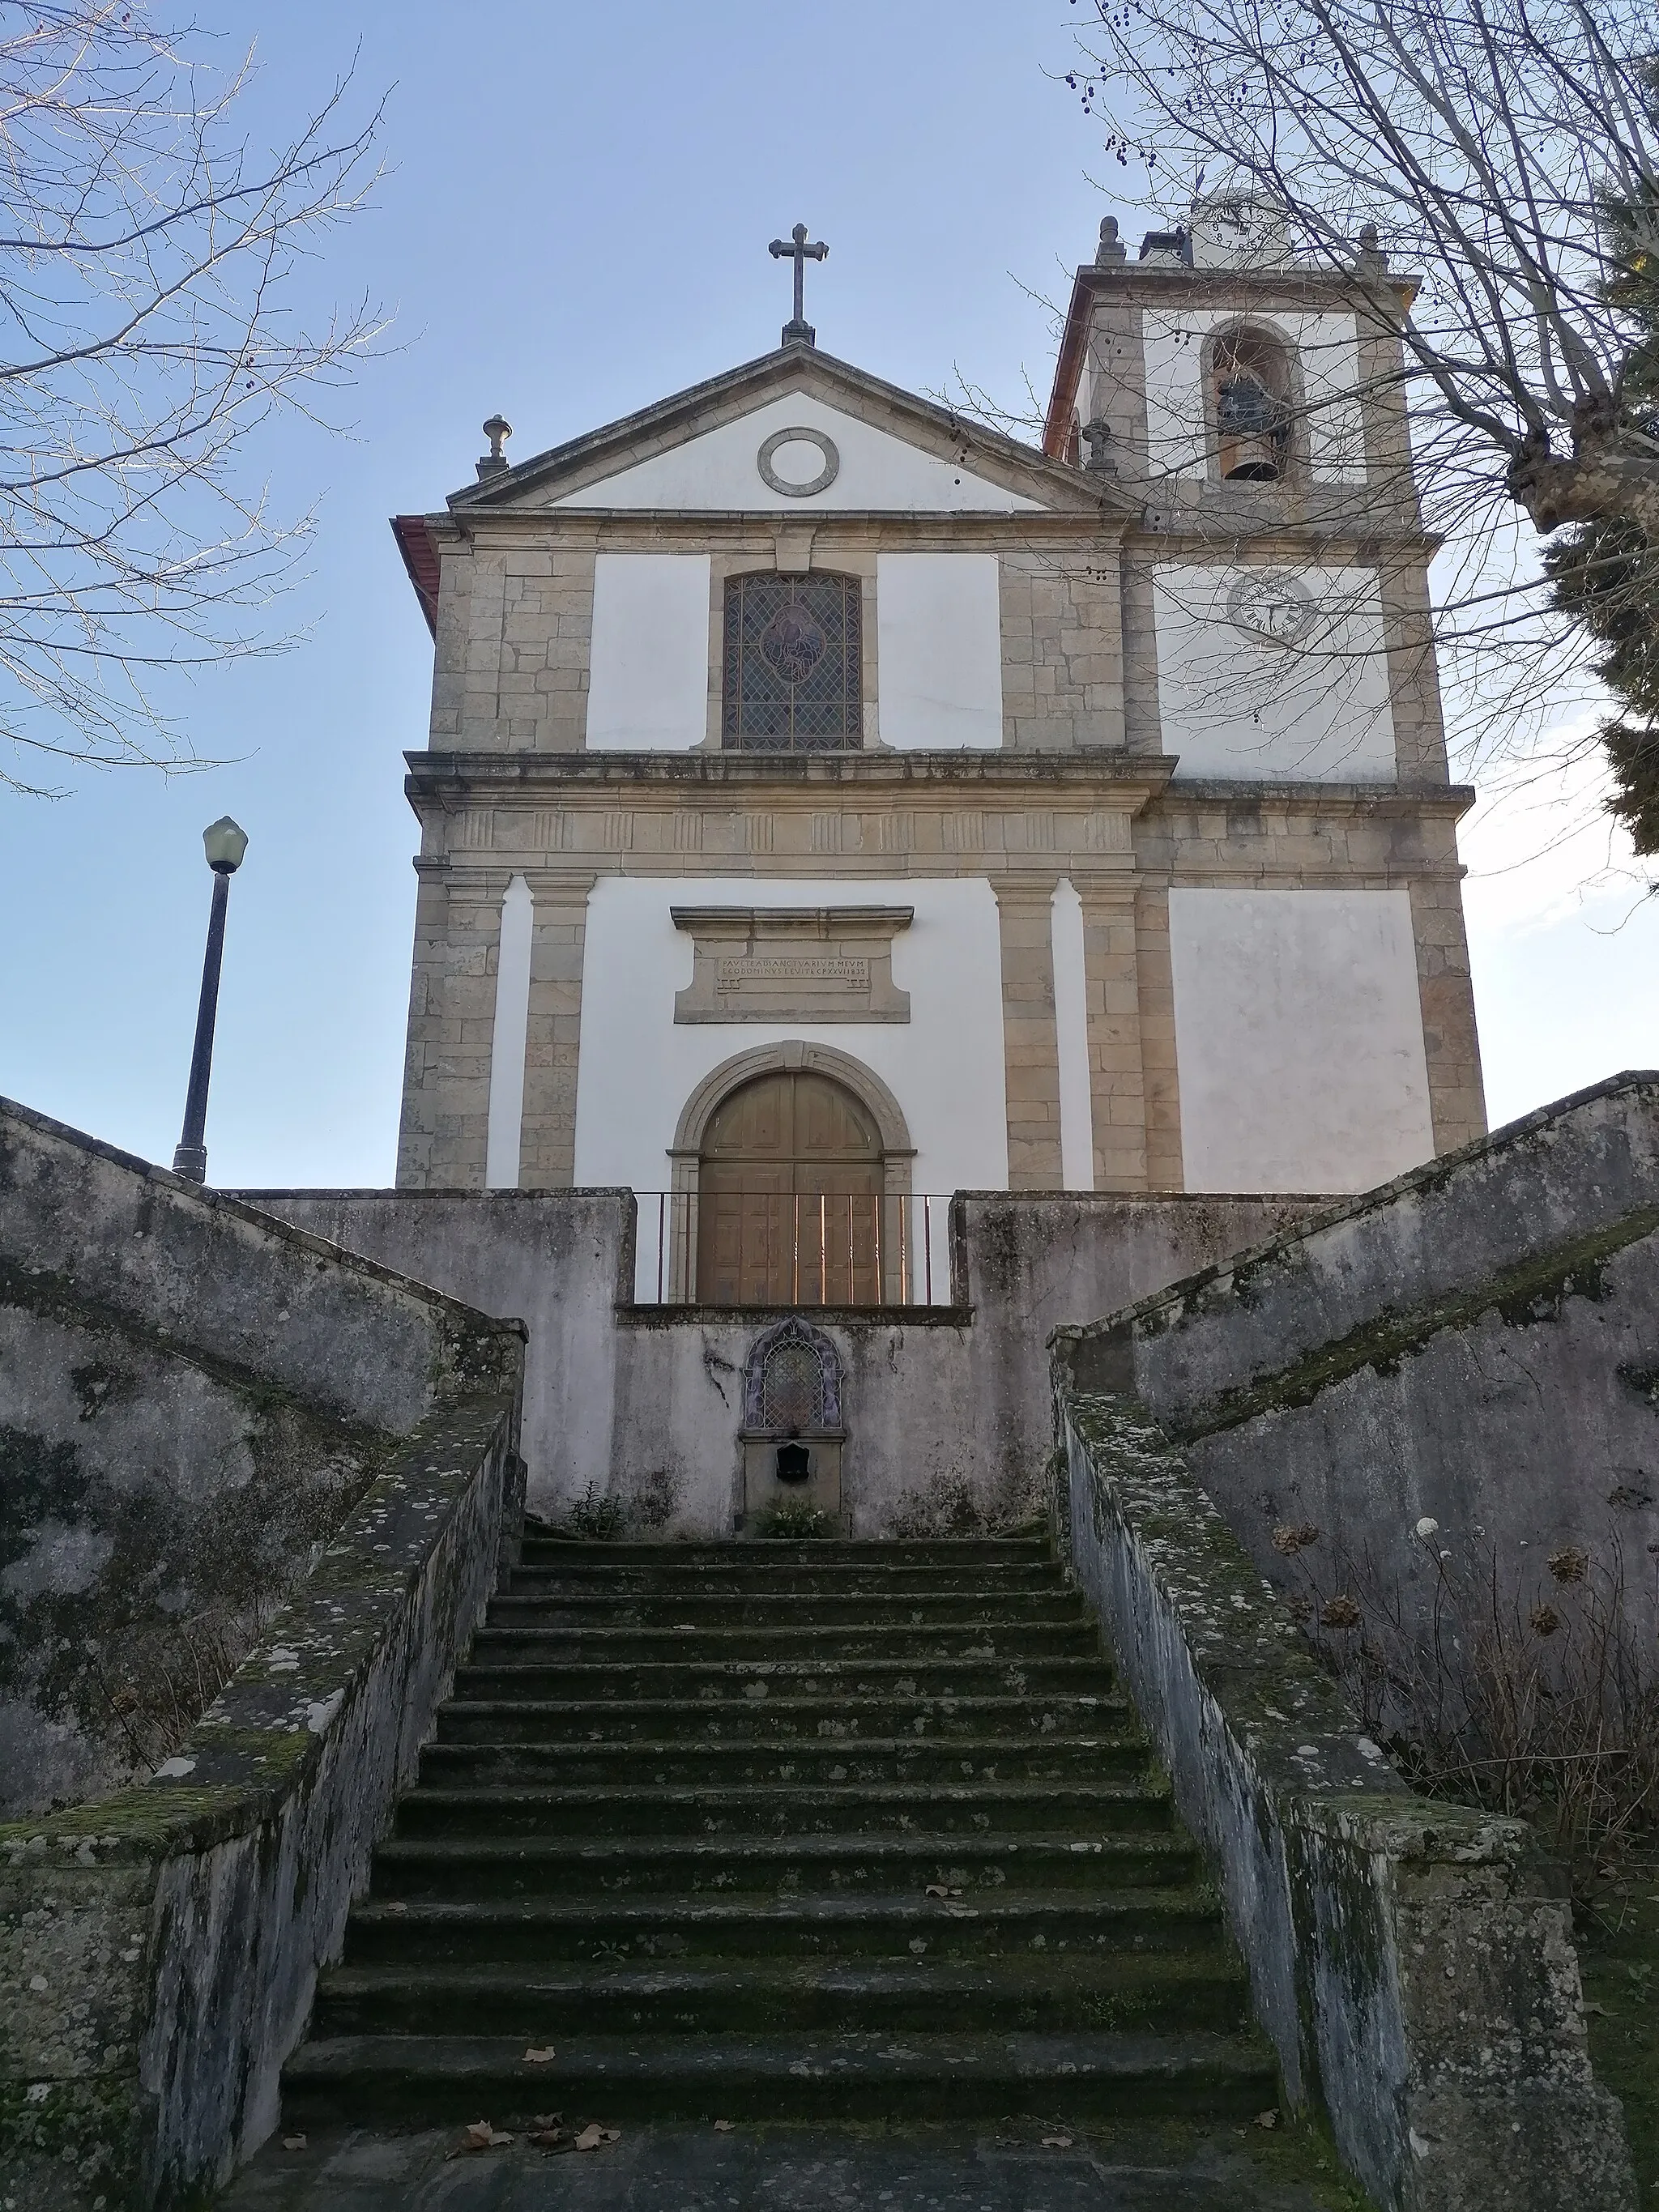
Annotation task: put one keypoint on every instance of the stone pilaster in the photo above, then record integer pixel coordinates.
(547, 1154)
(1111, 973)
(452, 1022)
(1451, 1046)
(1030, 1043)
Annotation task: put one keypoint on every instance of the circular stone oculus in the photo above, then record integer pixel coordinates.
(797, 463)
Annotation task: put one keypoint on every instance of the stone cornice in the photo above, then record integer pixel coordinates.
(1453, 799)
(714, 527)
(1167, 525)
(1128, 781)
(1118, 779)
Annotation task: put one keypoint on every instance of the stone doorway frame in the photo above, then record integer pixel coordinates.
(793, 1056)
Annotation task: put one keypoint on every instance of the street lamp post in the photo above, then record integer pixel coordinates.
(224, 844)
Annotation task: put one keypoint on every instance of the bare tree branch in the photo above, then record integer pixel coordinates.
(148, 256)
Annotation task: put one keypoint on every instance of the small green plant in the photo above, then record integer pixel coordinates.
(793, 1518)
(594, 1519)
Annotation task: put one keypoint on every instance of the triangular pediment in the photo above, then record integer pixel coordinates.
(725, 447)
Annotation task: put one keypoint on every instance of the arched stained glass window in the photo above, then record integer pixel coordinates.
(792, 664)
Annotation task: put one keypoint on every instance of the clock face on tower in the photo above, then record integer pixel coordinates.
(1239, 230)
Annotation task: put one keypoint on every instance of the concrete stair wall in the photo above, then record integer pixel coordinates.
(679, 1823)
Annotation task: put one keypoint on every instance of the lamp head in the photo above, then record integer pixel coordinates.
(224, 843)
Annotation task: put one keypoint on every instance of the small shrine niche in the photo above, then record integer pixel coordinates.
(793, 1432)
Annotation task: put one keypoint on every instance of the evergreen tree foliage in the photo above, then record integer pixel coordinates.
(1605, 572)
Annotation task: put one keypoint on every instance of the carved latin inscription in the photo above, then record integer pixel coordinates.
(826, 963)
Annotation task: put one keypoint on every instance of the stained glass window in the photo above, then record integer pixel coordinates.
(792, 677)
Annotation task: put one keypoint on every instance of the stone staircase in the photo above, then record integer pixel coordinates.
(784, 1830)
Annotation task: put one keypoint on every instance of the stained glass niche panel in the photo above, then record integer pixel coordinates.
(791, 675)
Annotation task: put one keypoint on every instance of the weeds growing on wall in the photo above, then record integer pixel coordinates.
(950, 1506)
(793, 1518)
(170, 1672)
(612, 1517)
(1531, 1695)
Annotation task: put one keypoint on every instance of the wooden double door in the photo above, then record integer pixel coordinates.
(789, 1197)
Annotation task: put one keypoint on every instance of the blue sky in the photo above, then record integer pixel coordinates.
(574, 223)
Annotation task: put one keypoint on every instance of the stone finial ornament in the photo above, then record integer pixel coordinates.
(498, 430)
(1097, 437)
(1369, 260)
(1111, 247)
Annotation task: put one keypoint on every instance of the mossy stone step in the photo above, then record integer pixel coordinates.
(769, 1866)
(972, 1554)
(780, 2077)
(773, 1609)
(826, 1677)
(761, 1578)
(678, 1823)
(771, 1761)
(833, 1809)
(605, 1932)
(939, 1643)
(945, 1718)
(1205, 1988)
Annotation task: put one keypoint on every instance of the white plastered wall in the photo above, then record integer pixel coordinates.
(720, 471)
(648, 686)
(944, 1066)
(938, 623)
(1231, 704)
(1327, 360)
(1298, 1039)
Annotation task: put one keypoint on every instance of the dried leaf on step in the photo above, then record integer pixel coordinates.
(1056, 2142)
(293, 2143)
(593, 2136)
(936, 1889)
(1267, 2119)
(543, 2055)
(722, 2127)
(547, 2138)
(479, 2137)
(546, 2119)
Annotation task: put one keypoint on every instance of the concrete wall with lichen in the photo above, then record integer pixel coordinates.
(193, 1398)
(1412, 1961)
(159, 1947)
(1471, 1350)
(947, 1411)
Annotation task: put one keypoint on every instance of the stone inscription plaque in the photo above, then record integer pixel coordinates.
(793, 964)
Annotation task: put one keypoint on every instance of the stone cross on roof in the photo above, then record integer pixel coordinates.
(798, 331)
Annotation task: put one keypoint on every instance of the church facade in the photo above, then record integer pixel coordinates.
(828, 797)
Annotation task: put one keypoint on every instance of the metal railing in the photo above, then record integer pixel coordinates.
(748, 1248)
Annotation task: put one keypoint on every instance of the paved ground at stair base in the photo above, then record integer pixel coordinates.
(693, 2170)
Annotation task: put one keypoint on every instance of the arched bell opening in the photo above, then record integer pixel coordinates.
(1250, 405)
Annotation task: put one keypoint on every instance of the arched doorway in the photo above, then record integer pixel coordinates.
(790, 1178)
